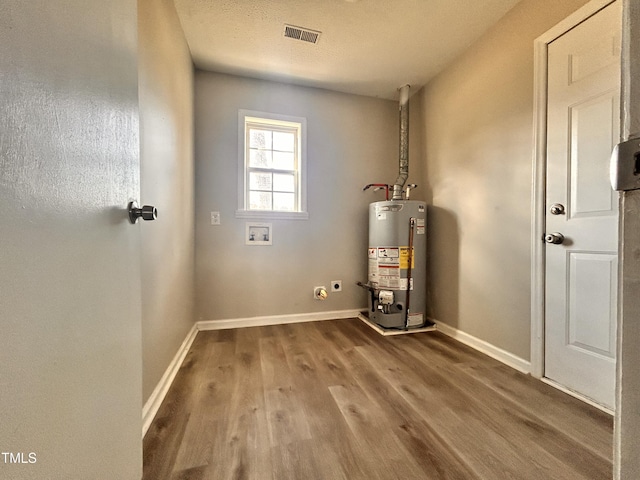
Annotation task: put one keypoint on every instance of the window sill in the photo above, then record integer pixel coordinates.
(257, 214)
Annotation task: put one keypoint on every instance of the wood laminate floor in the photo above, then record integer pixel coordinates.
(335, 400)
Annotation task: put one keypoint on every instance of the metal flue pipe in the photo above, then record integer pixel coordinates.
(403, 175)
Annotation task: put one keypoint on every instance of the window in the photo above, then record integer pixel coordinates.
(271, 166)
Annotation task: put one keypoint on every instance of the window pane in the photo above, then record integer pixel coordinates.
(271, 164)
(283, 161)
(260, 158)
(260, 138)
(259, 200)
(284, 182)
(260, 181)
(284, 201)
(283, 141)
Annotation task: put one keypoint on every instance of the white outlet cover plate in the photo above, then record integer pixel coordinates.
(335, 288)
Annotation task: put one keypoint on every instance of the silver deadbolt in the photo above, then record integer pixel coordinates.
(554, 238)
(147, 212)
(557, 209)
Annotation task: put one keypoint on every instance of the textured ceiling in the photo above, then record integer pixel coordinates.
(367, 47)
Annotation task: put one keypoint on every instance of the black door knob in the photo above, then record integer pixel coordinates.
(147, 212)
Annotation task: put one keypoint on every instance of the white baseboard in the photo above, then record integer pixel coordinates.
(275, 319)
(152, 405)
(511, 360)
(499, 354)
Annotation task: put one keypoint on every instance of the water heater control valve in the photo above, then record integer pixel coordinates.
(385, 297)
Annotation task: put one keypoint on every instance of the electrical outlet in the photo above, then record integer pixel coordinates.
(336, 285)
(215, 218)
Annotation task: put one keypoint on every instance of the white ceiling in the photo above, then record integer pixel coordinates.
(367, 47)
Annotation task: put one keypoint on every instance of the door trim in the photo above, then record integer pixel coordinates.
(538, 199)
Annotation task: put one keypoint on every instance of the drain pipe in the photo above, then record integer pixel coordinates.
(403, 175)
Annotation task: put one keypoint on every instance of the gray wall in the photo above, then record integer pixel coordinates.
(352, 141)
(478, 142)
(166, 175)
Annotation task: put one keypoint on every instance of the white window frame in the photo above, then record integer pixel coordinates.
(301, 187)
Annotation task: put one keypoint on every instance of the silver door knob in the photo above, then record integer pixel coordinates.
(147, 212)
(556, 209)
(554, 238)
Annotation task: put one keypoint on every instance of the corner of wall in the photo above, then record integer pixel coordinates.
(167, 181)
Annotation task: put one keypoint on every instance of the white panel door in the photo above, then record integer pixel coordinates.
(70, 329)
(581, 272)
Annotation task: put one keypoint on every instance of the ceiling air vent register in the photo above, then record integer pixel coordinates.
(300, 33)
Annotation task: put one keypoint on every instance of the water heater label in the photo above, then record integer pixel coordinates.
(373, 271)
(404, 258)
(421, 208)
(403, 284)
(384, 266)
(415, 319)
(385, 253)
(389, 276)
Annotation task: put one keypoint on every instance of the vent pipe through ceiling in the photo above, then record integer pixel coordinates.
(403, 174)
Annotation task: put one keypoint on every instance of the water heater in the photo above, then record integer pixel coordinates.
(397, 278)
(397, 268)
